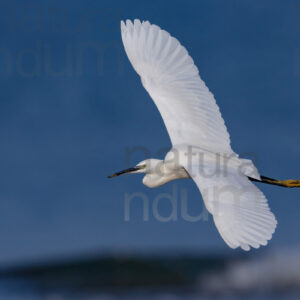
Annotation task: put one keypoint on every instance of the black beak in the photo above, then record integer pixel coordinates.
(130, 170)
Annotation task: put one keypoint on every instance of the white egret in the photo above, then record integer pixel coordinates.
(201, 144)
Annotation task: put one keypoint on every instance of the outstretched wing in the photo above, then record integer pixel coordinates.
(170, 76)
(240, 210)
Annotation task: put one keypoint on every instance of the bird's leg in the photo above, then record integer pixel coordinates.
(290, 183)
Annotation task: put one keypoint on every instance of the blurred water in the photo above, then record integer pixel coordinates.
(22, 290)
(274, 275)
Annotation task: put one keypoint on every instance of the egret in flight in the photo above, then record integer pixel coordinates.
(200, 142)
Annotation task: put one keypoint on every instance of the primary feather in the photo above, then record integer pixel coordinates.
(240, 210)
(170, 76)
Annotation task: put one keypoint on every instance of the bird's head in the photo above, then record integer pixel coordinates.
(145, 166)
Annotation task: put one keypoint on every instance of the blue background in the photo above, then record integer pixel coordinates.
(71, 107)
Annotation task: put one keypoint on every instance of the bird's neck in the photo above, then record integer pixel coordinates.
(163, 173)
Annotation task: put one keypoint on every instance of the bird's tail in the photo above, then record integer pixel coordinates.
(289, 183)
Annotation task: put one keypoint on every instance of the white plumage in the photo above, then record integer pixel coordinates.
(171, 78)
(192, 118)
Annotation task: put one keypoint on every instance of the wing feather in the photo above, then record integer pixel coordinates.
(240, 210)
(170, 76)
